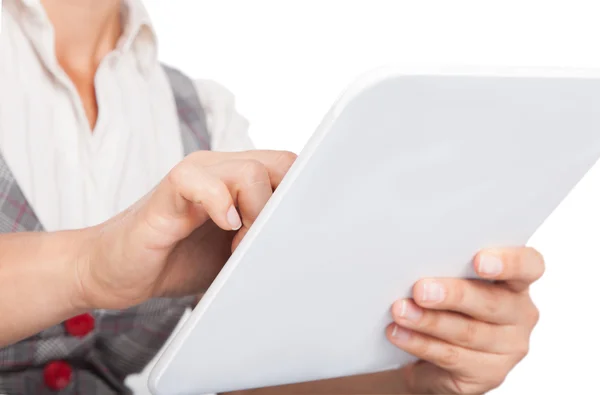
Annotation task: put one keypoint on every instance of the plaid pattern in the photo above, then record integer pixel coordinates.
(122, 342)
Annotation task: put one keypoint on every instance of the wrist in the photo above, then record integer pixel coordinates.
(77, 248)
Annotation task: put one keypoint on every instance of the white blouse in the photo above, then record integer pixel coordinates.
(74, 177)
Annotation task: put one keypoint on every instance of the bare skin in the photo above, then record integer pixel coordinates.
(85, 32)
(468, 339)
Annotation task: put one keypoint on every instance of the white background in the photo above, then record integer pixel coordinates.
(287, 61)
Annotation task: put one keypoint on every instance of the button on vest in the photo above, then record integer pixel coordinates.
(80, 326)
(57, 375)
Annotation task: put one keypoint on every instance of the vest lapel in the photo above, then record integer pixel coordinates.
(192, 118)
(15, 213)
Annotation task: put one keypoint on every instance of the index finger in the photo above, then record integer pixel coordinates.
(519, 267)
(277, 163)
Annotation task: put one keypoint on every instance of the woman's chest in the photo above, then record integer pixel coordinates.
(72, 176)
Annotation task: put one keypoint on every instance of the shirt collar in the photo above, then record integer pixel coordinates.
(138, 36)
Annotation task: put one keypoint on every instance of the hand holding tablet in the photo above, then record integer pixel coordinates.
(406, 179)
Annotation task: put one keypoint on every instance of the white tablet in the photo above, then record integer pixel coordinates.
(409, 175)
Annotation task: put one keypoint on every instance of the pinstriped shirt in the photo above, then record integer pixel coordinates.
(75, 177)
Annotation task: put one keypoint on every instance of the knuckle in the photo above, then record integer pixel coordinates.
(180, 173)
(450, 357)
(522, 350)
(186, 176)
(422, 347)
(204, 158)
(534, 261)
(457, 292)
(495, 382)
(529, 314)
(540, 264)
(253, 171)
(493, 303)
(533, 315)
(218, 192)
(534, 254)
(494, 375)
(470, 333)
(519, 341)
(430, 321)
(286, 158)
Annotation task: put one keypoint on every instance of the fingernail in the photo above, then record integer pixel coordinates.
(410, 311)
(433, 292)
(400, 334)
(490, 265)
(233, 218)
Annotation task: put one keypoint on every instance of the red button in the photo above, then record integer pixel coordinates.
(57, 375)
(80, 325)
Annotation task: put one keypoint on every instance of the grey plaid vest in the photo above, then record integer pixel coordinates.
(121, 342)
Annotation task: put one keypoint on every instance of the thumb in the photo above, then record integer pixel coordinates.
(426, 378)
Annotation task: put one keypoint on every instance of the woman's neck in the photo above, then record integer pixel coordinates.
(85, 31)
